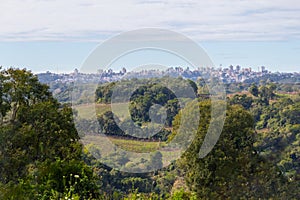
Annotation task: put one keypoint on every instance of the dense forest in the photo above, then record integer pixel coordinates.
(42, 155)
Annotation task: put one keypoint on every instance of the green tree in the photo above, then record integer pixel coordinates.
(104, 92)
(108, 124)
(155, 161)
(36, 132)
(266, 92)
(194, 86)
(242, 100)
(254, 90)
(232, 169)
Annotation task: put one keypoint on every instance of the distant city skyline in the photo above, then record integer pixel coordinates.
(58, 35)
(66, 56)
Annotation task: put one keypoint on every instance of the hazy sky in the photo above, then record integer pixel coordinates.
(58, 35)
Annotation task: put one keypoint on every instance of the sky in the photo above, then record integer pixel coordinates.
(54, 35)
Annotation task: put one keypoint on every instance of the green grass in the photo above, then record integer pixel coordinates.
(86, 111)
(107, 144)
(104, 144)
(136, 145)
(126, 144)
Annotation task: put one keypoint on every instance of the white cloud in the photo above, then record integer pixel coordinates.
(97, 20)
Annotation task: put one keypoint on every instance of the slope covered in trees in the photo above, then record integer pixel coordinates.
(39, 148)
(41, 156)
(233, 169)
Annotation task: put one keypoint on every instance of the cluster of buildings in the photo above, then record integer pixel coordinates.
(230, 74)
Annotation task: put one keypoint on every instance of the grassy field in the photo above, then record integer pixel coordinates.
(126, 144)
(136, 149)
(86, 111)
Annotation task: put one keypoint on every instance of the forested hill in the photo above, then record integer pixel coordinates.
(61, 85)
(43, 155)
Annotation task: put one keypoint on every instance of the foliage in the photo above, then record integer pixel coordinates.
(232, 169)
(39, 140)
(254, 90)
(242, 100)
(256, 157)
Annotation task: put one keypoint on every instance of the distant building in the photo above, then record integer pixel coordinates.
(76, 71)
(124, 70)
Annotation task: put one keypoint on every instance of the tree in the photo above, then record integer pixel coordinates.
(108, 124)
(36, 133)
(232, 169)
(155, 161)
(194, 86)
(254, 90)
(267, 91)
(4, 100)
(28, 114)
(243, 100)
(22, 89)
(104, 93)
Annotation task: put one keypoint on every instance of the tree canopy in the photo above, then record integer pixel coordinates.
(36, 132)
(233, 169)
